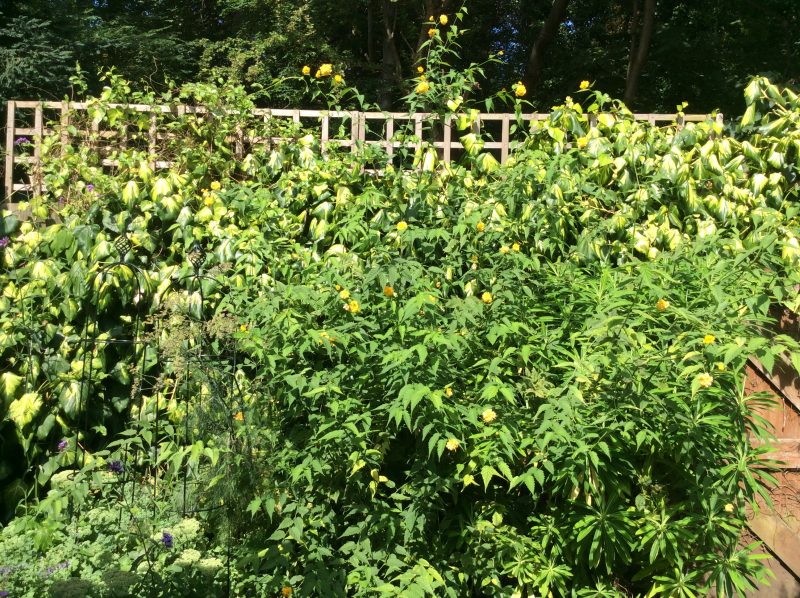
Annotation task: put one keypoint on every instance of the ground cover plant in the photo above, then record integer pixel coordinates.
(465, 379)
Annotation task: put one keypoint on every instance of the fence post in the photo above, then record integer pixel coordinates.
(36, 174)
(447, 138)
(504, 138)
(10, 122)
(64, 124)
(390, 137)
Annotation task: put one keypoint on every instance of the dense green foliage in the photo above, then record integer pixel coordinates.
(463, 379)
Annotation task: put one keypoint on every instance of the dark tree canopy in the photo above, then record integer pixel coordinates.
(655, 53)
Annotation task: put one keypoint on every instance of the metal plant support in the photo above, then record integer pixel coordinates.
(208, 366)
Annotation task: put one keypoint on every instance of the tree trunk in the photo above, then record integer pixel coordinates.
(640, 44)
(546, 35)
(370, 32)
(391, 58)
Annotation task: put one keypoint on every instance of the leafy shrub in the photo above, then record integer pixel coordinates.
(461, 379)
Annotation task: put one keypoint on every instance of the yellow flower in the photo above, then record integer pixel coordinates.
(480, 226)
(353, 306)
(286, 591)
(402, 225)
(582, 142)
(504, 249)
(520, 90)
(584, 84)
(325, 70)
(705, 379)
(239, 417)
(306, 70)
(720, 366)
(662, 304)
(243, 328)
(487, 298)
(388, 291)
(430, 19)
(709, 339)
(422, 87)
(344, 295)
(209, 201)
(729, 508)
(448, 391)
(338, 287)
(488, 416)
(452, 444)
(500, 53)
(420, 69)
(515, 247)
(443, 20)
(216, 185)
(431, 32)
(338, 79)
(318, 74)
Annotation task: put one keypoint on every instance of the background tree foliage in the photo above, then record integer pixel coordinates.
(702, 53)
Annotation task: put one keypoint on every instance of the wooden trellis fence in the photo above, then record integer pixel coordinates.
(30, 119)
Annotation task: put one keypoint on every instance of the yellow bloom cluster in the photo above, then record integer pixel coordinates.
(662, 304)
(504, 249)
(239, 417)
(216, 185)
(420, 69)
(452, 444)
(431, 32)
(344, 294)
(324, 70)
(402, 225)
(388, 291)
(582, 142)
(585, 84)
(705, 379)
(709, 339)
(515, 247)
(519, 89)
(325, 336)
(487, 298)
(352, 306)
(481, 227)
(423, 87)
(443, 20)
(306, 70)
(448, 392)
(488, 416)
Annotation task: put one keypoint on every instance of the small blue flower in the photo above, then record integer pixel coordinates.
(166, 539)
(20, 141)
(90, 187)
(4, 242)
(62, 446)
(3, 593)
(116, 467)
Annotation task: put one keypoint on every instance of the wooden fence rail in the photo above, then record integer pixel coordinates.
(22, 114)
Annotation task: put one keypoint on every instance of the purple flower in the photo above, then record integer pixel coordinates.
(90, 187)
(21, 140)
(166, 539)
(62, 446)
(4, 242)
(3, 593)
(116, 467)
(61, 200)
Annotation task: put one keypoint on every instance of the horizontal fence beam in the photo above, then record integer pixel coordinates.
(359, 131)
